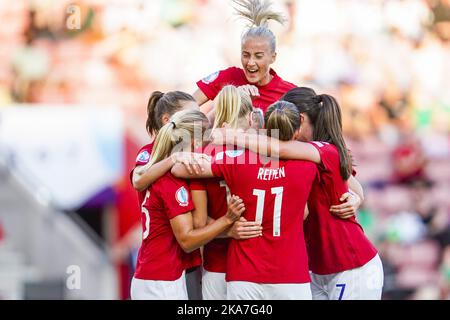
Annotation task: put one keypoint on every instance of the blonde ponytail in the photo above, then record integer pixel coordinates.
(179, 131)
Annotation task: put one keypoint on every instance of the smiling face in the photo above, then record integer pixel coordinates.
(256, 58)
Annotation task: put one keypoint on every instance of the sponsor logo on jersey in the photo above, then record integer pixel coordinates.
(182, 196)
(210, 78)
(144, 156)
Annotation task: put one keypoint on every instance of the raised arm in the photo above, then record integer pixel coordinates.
(181, 171)
(200, 98)
(267, 146)
(144, 176)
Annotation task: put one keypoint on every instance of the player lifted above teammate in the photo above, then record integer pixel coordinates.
(258, 52)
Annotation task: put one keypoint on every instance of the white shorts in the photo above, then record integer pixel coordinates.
(363, 283)
(243, 290)
(159, 289)
(214, 286)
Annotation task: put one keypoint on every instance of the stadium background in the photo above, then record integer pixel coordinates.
(72, 112)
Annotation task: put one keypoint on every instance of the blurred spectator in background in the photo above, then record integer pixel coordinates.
(408, 160)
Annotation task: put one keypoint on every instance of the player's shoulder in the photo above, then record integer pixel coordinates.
(285, 85)
(148, 147)
(329, 155)
(144, 153)
(300, 164)
(222, 75)
(324, 146)
(168, 182)
(169, 187)
(234, 70)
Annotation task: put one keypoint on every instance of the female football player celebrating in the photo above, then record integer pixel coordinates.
(344, 264)
(258, 52)
(168, 231)
(234, 107)
(274, 265)
(160, 107)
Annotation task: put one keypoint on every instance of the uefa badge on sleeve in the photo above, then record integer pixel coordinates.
(182, 197)
(144, 156)
(210, 78)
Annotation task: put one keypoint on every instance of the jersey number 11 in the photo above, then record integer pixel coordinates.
(278, 192)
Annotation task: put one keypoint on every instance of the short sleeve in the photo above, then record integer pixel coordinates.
(213, 83)
(176, 198)
(329, 155)
(143, 157)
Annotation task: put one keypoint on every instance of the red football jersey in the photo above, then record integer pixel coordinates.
(215, 251)
(275, 194)
(160, 256)
(268, 94)
(334, 244)
(142, 159)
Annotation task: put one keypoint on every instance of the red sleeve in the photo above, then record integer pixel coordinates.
(198, 184)
(224, 162)
(176, 197)
(219, 164)
(328, 155)
(212, 84)
(143, 157)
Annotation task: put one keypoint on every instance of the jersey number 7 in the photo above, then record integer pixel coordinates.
(260, 194)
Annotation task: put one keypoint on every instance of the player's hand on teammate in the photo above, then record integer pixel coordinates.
(243, 229)
(249, 89)
(235, 209)
(190, 160)
(348, 208)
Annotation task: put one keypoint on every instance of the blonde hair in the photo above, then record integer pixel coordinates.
(231, 105)
(284, 117)
(258, 13)
(180, 130)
